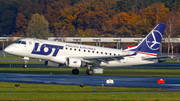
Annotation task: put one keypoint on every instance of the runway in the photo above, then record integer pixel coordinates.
(119, 81)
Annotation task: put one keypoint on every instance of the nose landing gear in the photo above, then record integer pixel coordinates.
(26, 61)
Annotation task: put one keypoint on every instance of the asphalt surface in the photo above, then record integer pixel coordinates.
(144, 82)
(171, 83)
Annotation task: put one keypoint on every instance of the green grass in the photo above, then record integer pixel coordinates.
(11, 57)
(107, 71)
(171, 61)
(15, 62)
(65, 92)
(91, 96)
(50, 88)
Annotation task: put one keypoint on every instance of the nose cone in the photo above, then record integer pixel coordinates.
(8, 49)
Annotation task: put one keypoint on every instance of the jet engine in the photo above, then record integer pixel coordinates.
(74, 62)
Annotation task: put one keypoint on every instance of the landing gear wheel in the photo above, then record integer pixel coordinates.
(75, 71)
(24, 66)
(89, 72)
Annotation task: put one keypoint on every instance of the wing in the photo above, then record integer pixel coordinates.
(98, 59)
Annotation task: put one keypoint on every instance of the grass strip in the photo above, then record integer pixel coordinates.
(66, 92)
(51, 88)
(107, 71)
(21, 62)
(11, 57)
(91, 96)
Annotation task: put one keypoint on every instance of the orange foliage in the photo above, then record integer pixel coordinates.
(21, 25)
(120, 20)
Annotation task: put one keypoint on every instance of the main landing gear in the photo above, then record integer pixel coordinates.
(75, 71)
(89, 71)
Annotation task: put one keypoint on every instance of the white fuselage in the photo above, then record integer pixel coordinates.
(61, 50)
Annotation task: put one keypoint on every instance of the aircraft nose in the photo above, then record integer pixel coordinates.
(8, 49)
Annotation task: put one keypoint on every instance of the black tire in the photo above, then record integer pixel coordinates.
(24, 66)
(89, 72)
(75, 71)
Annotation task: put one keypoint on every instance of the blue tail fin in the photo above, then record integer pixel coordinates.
(152, 41)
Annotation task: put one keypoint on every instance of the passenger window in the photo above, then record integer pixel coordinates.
(92, 51)
(74, 49)
(114, 54)
(23, 42)
(101, 52)
(106, 53)
(79, 49)
(97, 52)
(109, 53)
(88, 50)
(84, 50)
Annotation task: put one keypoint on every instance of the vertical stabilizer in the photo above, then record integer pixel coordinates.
(152, 41)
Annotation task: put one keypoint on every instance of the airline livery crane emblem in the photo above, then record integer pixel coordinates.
(155, 38)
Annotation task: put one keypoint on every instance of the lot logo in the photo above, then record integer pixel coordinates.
(154, 40)
(46, 49)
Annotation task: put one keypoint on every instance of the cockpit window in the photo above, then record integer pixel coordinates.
(23, 42)
(18, 42)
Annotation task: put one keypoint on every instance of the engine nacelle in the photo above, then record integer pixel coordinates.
(73, 62)
(52, 64)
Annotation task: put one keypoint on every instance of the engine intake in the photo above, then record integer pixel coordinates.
(73, 62)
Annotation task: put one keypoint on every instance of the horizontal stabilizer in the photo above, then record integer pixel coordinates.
(160, 57)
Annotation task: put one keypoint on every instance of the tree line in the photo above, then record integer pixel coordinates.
(109, 18)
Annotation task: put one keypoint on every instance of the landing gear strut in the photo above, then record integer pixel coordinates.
(26, 61)
(75, 71)
(89, 71)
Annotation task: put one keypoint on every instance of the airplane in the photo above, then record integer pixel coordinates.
(78, 55)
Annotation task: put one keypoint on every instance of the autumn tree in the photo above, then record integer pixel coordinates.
(51, 9)
(172, 23)
(156, 13)
(81, 33)
(7, 22)
(137, 24)
(21, 25)
(38, 27)
(8, 11)
(120, 20)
